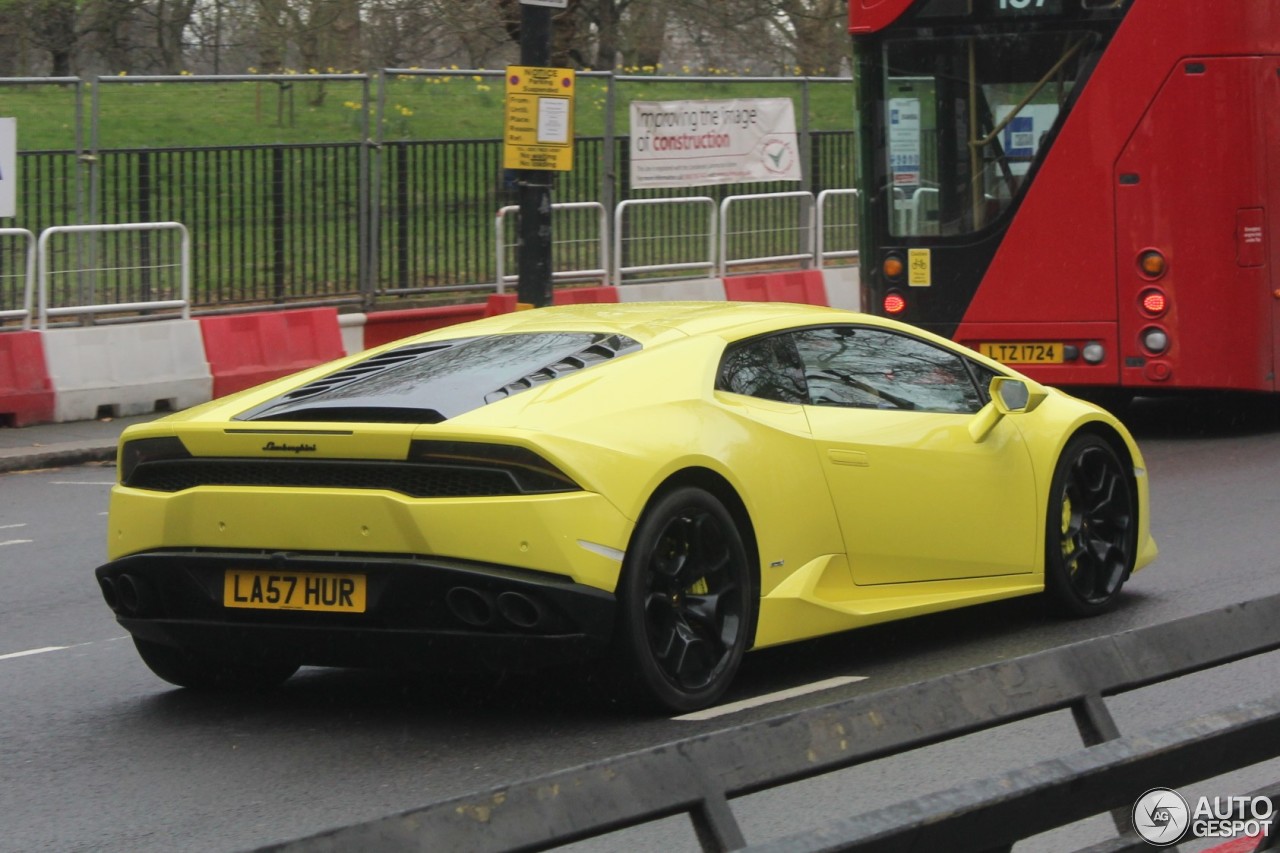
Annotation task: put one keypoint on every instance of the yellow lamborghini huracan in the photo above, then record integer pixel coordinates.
(657, 486)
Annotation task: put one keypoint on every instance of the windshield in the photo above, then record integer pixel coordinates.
(966, 119)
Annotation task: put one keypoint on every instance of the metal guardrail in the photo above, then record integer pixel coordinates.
(29, 277)
(623, 239)
(824, 223)
(601, 241)
(698, 776)
(676, 248)
(803, 230)
(45, 270)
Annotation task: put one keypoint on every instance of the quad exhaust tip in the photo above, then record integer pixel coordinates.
(128, 595)
(481, 609)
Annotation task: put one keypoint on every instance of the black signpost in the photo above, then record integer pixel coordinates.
(533, 256)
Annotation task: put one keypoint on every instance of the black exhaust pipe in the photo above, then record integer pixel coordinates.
(471, 606)
(521, 610)
(135, 595)
(109, 594)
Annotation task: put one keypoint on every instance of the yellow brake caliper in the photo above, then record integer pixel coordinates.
(1068, 546)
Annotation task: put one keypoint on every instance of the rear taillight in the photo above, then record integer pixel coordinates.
(529, 472)
(139, 452)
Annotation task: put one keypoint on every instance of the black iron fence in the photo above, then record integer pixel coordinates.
(362, 220)
(332, 222)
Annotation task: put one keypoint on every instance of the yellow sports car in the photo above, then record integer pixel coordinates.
(661, 487)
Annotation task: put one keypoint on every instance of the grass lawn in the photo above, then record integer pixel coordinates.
(418, 106)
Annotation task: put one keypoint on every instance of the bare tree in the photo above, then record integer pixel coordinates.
(432, 33)
(644, 33)
(108, 30)
(168, 36)
(795, 36)
(816, 32)
(566, 25)
(54, 28)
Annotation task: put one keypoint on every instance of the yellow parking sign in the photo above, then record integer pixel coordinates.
(538, 132)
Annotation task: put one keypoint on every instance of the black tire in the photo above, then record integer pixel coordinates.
(188, 670)
(1091, 530)
(686, 602)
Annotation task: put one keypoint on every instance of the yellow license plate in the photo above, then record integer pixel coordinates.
(272, 590)
(1023, 353)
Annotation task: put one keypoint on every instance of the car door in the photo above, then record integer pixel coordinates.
(917, 498)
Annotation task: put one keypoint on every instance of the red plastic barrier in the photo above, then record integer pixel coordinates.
(381, 327)
(26, 390)
(247, 350)
(501, 303)
(804, 286)
(585, 295)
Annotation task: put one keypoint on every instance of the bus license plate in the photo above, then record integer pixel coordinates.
(1023, 353)
(273, 590)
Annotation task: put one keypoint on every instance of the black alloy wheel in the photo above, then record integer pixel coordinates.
(686, 601)
(1091, 534)
(186, 669)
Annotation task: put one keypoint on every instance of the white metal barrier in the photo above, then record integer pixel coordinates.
(28, 287)
(813, 228)
(706, 264)
(44, 271)
(823, 223)
(601, 270)
(803, 229)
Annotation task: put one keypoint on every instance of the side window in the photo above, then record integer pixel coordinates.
(871, 368)
(768, 368)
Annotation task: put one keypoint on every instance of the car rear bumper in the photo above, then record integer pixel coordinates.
(420, 613)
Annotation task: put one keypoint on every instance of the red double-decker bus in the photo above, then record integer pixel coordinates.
(1087, 189)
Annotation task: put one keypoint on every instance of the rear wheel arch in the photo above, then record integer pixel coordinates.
(687, 595)
(716, 485)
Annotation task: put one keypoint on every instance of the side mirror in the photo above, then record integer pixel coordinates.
(1009, 396)
(1013, 396)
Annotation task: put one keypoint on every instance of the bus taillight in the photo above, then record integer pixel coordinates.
(1154, 302)
(894, 303)
(1152, 263)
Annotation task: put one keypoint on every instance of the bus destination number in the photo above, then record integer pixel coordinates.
(1023, 353)
(1049, 7)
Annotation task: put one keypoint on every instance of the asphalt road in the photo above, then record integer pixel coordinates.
(98, 754)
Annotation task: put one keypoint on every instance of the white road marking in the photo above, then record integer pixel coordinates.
(30, 652)
(735, 707)
(33, 652)
(16, 542)
(82, 483)
(12, 526)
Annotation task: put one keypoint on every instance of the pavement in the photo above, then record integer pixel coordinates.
(59, 445)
